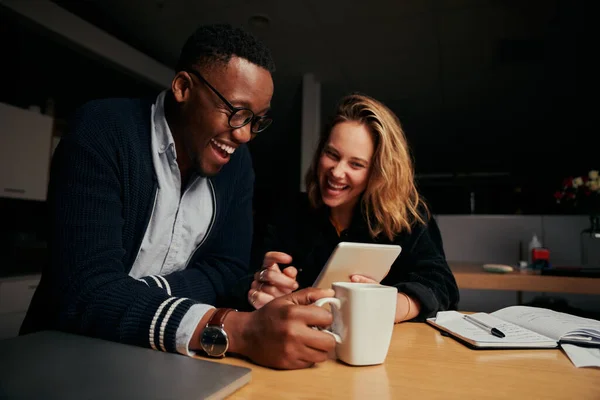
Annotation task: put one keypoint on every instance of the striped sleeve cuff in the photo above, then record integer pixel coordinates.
(187, 327)
(157, 281)
(167, 318)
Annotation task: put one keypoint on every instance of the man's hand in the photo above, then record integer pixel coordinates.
(280, 334)
(270, 282)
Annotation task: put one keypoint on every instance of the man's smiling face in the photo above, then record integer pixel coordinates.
(208, 139)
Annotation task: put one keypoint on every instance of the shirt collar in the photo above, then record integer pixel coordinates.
(162, 132)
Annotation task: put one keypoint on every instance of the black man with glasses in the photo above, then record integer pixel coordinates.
(151, 217)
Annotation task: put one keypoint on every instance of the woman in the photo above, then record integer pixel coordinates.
(360, 188)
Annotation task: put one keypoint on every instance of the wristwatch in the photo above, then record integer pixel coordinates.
(214, 340)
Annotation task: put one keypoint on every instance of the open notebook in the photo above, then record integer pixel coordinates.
(524, 327)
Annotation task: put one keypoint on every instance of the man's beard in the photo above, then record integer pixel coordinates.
(197, 166)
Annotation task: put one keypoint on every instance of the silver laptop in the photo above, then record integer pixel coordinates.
(56, 365)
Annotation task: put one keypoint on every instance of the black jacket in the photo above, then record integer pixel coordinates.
(421, 270)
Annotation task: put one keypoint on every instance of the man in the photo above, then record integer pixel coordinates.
(150, 212)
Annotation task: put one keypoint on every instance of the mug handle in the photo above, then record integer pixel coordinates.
(337, 304)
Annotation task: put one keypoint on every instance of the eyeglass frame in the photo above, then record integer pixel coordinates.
(252, 121)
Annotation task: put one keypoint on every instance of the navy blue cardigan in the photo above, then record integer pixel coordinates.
(100, 198)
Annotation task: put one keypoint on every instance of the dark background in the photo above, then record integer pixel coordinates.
(510, 153)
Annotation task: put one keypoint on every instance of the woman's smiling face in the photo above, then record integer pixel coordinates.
(345, 164)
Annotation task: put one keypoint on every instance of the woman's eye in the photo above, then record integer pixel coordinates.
(331, 154)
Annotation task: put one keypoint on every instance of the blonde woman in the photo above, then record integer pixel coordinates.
(360, 188)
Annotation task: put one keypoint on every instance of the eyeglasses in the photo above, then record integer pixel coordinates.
(240, 116)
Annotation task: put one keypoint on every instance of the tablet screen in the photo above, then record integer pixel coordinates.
(371, 260)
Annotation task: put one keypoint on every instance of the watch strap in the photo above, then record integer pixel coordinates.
(218, 317)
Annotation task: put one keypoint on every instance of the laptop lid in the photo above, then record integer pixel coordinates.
(56, 365)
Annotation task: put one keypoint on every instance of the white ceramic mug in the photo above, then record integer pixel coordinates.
(363, 321)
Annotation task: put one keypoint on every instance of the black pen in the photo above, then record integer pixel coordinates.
(494, 331)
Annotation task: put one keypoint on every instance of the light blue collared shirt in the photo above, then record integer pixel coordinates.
(178, 223)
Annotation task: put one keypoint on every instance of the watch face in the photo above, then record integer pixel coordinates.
(214, 341)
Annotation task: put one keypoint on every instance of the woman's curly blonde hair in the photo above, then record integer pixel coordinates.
(390, 201)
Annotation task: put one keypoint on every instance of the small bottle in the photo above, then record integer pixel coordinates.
(472, 202)
(533, 244)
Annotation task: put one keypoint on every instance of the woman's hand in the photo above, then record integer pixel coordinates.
(361, 279)
(270, 282)
(406, 307)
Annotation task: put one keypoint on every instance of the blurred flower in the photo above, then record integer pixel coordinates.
(582, 193)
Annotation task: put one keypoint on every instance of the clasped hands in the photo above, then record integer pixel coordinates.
(271, 282)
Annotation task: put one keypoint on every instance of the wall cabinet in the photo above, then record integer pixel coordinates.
(25, 151)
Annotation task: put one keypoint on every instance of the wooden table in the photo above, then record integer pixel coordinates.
(472, 276)
(422, 364)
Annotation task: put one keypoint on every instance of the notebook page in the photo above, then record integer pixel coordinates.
(582, 356)
(548, 322)
(455, 322)
(514, 333)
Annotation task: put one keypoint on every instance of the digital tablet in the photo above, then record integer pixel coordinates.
(371, 260)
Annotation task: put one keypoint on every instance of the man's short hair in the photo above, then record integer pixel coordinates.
(217, 43)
